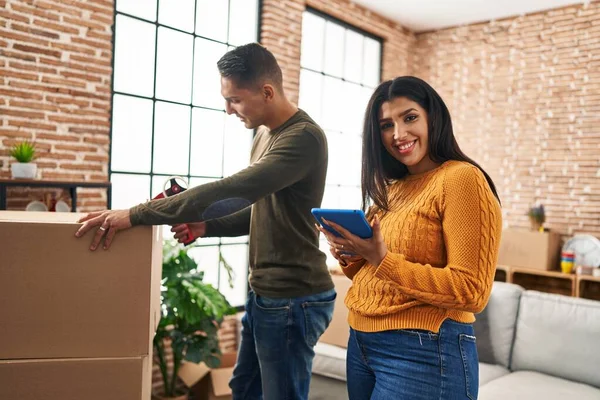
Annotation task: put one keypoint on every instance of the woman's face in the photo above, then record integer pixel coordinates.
(404, 133)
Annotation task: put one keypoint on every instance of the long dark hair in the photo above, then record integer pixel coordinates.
(379, 167)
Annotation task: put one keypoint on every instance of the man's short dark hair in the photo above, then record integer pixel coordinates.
(251, 65)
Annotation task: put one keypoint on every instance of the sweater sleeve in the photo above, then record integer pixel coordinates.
(352, 269)
(237, 224)
(471, 224)
(288, 160)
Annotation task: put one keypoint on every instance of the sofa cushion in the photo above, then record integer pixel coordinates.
(489, 372)
(495, 325)
(330, 361)
(558, 335)
(527, 385)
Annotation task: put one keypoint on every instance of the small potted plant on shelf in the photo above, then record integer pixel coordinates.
(24, 152)
(537, 217)
(192, 312)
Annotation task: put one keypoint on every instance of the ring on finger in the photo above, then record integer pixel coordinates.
(102, 228)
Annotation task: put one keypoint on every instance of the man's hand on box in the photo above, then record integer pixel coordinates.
(108, 223)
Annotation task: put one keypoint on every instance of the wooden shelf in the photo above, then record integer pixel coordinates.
(71, 186)
(588, 287)
(584, 286)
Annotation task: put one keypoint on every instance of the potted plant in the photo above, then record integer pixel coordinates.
(537, 217)
(192, 311)
(24, 152)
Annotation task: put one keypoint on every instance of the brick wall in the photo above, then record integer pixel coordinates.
(282, 33)
(55, 79)
(524, 94)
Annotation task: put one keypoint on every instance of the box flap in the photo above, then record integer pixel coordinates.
(191, 373)
(228, 360)
(220, 381)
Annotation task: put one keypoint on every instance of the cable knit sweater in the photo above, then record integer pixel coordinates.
(442, 233)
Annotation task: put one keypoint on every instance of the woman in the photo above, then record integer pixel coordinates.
(429, 266)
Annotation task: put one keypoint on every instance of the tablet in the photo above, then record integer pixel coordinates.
(353, 220)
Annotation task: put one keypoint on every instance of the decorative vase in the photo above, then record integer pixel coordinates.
(24, 170)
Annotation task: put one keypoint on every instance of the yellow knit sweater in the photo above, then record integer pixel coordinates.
(442, 234)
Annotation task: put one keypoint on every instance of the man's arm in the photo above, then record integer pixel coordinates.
(289, 160)
(237, 224)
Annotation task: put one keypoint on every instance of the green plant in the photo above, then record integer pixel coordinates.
(191, 314)
(537, 214)
(23, 152)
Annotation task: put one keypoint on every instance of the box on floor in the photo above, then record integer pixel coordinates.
(206, 383)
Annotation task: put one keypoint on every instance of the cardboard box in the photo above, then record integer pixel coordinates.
(338, 331)
(530, 249)
(60, 300)
(206, 383)
(76, 379)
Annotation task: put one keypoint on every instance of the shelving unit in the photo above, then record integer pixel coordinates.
(583, 286)
(67, 185)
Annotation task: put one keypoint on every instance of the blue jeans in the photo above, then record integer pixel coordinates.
(413, 364)
(276, 350)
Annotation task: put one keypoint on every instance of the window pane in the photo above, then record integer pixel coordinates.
(353, 56)
(174, 66)
(207, 81)
(331, 198)
(208, 261)
(350, 197)
(211, 19)
(144, 9)
(311, 93)
(207, 142)
(134, 56)
(354, 110)
(371, 62)
(313, 28)
(333, 112)
(243, 16)
(131, 134)
(338, 159)
(171, 138)
(178, 14)
(129, 190)
(237, 257)
(238, 141)
(334, 49)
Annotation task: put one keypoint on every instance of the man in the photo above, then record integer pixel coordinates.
(291, 302)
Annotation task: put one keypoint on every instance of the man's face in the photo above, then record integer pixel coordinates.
(246, 103)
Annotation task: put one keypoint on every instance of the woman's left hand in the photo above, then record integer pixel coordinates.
(109, 223)
(373, 249)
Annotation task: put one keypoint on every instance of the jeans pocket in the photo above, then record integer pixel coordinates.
(317, 316)
(271, 304)
(468, 353)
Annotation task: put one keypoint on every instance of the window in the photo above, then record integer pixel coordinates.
(168, 115)
(340, 68)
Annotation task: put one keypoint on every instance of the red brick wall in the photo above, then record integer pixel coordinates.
(55, 79)
(524, 94)
(282, 33)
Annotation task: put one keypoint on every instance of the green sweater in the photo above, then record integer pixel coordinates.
(286, 178)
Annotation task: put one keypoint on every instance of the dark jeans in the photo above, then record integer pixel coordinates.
(413, 364)
(276, 350)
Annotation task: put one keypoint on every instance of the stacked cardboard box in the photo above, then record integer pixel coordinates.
(76, 324)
